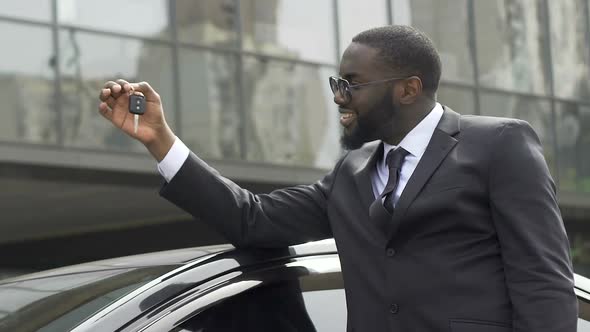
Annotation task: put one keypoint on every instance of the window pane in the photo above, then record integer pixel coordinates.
(28, 9)
(537, 112)
(326, 309)
(87, 62)
(286, 28)
(583, 325)
(459, 99)
(209, 22)
(27, 85)
(209, 102)
(510, 45)
(282, 305)
(584, 314)
(145, 18)
(291, 117)
(446, 23)
(569, 45)
(573, 139)
(59, 303)
(356, 16)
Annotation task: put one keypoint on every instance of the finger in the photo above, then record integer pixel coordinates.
(108, 84)
(116, 91)
(126, 87)
(104, 94)
(111, 102)
(105, 111)
(146, 89)
(114, 87)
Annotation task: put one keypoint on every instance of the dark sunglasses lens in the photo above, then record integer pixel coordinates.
(343, 88)
(333, 84)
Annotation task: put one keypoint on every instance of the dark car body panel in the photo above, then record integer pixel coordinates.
(192, 280)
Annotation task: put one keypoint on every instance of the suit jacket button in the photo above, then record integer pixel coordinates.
(390, 252)
(394, 308)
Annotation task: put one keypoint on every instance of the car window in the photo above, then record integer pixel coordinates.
(308, 304)
(58, 303)
(584, 315)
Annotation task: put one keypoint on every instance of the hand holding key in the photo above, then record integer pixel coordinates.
(152, 131)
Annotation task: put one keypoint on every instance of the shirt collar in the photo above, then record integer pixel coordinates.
(416, 141)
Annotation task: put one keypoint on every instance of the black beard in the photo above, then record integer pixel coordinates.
(355, 139)
(366, 128)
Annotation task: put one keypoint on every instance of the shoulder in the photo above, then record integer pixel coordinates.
(490, 126)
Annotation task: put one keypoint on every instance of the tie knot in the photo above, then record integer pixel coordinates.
(395, 157)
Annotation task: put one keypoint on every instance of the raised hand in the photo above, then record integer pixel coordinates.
(153, 131)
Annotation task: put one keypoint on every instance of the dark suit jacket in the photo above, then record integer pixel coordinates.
(476, 242)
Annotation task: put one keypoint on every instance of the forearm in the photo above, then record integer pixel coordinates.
(284, 217)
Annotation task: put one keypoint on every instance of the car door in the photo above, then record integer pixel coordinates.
(302, 294)
(584, 310)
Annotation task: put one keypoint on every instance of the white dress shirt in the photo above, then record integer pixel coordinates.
(173, 160)
(415, 143)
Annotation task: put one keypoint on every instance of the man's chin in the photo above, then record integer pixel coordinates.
(351, 142)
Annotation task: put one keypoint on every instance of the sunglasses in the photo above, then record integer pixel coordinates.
(343, 87)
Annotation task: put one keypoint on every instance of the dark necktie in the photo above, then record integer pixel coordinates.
(382, 208)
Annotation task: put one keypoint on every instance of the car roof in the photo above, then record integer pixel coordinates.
(194, 273)
(161, 258)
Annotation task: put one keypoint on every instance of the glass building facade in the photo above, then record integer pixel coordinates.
(245, 81)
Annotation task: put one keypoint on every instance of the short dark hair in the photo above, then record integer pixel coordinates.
(405, 49)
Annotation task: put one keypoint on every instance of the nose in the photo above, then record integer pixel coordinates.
(339, 98)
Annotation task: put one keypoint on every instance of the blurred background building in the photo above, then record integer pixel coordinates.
(244, 84)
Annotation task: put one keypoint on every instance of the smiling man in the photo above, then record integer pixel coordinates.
(443, 222)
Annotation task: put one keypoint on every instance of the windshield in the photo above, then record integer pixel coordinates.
(59, 303)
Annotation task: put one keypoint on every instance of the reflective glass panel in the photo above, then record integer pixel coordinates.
(326, 309)
(537, 112)
(28, 9)
(145, 18)
(60, 302)
(459, 100)
(570, 50)
(356, 16)
(211, 22)
(87, 62)
(209, 103)
(510, 42)
(27, 73)
(584, 314)
(583, 325)
(290, 114)
(286, 28)
(573, 140)
(446, 23)
(285, 305)
(580, 252)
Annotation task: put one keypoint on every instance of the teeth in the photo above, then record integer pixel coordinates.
(346, 115)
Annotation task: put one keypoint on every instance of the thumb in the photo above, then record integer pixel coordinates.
(146, 89)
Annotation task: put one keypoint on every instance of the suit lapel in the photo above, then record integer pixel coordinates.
(362, 175)
(441, 143)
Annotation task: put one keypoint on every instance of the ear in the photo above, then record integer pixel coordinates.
(410, 90)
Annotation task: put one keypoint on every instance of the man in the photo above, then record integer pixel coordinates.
(457, 229)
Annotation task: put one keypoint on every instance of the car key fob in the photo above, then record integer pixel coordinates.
(137, 104)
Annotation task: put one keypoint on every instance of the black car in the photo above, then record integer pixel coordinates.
(197, 289)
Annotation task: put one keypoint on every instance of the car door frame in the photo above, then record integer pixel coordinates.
(191, 305)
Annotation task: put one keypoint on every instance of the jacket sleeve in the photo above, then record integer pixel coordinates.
(533, 241)
(281, 218)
